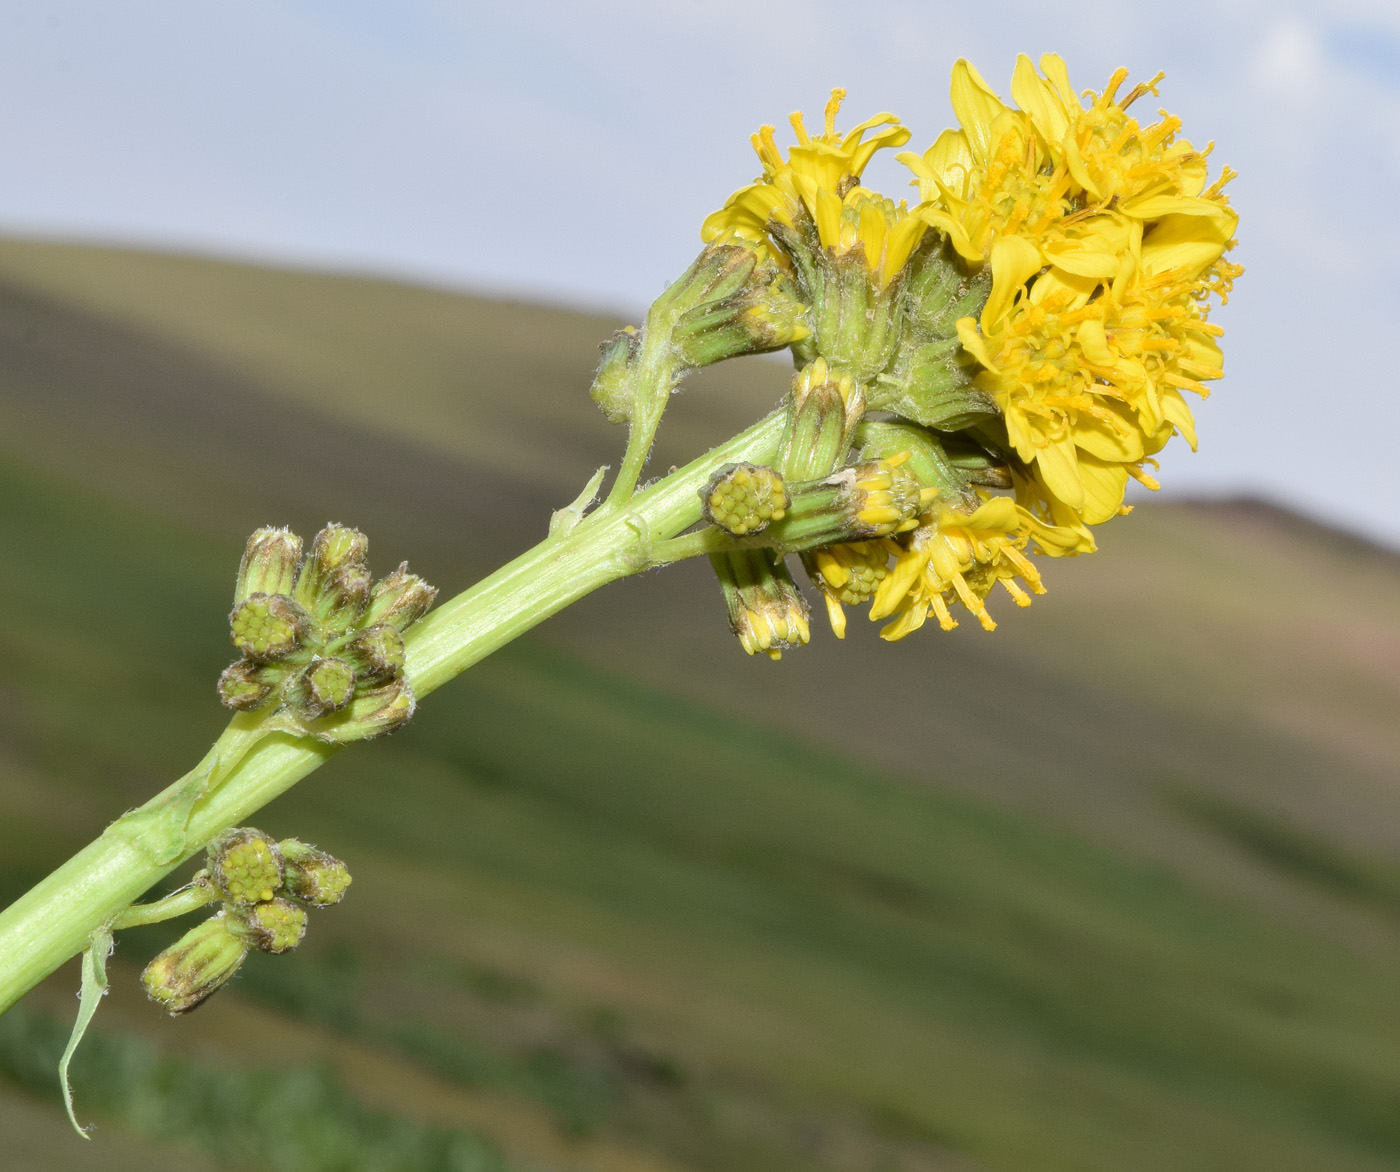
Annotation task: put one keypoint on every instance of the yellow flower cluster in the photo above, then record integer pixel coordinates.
(818, 185)
(956, 556)
(1104, 244)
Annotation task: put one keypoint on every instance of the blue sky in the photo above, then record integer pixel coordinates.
(569, 151)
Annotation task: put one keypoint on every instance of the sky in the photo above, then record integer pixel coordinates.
(568, 151)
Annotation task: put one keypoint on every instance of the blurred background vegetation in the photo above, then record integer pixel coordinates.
(1116, 887)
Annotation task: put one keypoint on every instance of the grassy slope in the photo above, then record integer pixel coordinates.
(1111, 888)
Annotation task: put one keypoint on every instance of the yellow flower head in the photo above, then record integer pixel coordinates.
(818, 184)
(959, 557)
(847, 575)
(1104, 245)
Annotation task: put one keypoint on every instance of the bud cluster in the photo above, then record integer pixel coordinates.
(265, 888)
(322, 642)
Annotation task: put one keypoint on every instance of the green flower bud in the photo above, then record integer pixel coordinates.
(399, 600)
(765, 609)
(328, 686)
(334, 582)
(266, 627)
(735, 304)
(939, 291)
(377, 654)
(276, 925)
(245, 865)
(823, 409)
(928, 458)
(201, 962)
(372, 713)
(932, 384)
(244, 686)
(877, 498)
(313, 876)
(269, 564)
(612, 388)
(744, 498)
(339, 545)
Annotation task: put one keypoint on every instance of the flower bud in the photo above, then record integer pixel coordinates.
(612, 388)
(765, 609)
(275, 925)
(313, 876)
(269, 564)
(339, 545)
(371, 713)
(328, 686)
(735, 304)
(244, 686)
(399, 600)
(938, 291)
(201, 962)
(876, 498)
(823, 409)
(928, 458)
(245, 865)
(334, 582)
(744, 498)
(266, 627)
(377, 654)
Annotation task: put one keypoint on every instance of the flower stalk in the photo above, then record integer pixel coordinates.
(248, 767)
(1024, 334)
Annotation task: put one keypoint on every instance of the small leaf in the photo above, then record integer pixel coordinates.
(94, 988)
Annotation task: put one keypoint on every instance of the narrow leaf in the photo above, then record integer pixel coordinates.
(94, 989)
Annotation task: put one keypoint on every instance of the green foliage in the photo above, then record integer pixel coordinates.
(285, 1120)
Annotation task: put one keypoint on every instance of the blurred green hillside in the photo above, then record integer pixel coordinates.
(1116, 887)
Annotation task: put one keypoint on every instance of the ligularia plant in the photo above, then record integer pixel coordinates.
(979, 373)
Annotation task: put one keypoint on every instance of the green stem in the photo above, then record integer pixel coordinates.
(189, 898)
(249, 767)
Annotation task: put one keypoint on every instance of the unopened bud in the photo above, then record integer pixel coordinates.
(399, 600)
(372, 713)
(932, 384)
(244, 686)
(269, 564)
(329, 685)
(938, 292)
(275, 925)
(927, 457)
(266, 627)
(744, 498)
(377, 654)
(339, 545)
(313, 876)
(885, 498)
(334, 582)
(823, 410)
(877, 498)
(736, 303)
(613, 389)
(246, 865)
(200, 963)
(765, 609)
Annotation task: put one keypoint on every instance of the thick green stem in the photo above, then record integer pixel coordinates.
(248, 768)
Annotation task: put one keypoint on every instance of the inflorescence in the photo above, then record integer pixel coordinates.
(1026, 333)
